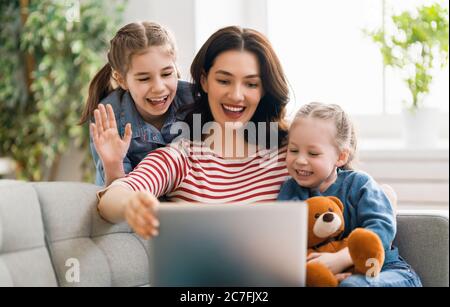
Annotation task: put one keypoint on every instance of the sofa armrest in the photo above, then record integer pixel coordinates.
(422, 239)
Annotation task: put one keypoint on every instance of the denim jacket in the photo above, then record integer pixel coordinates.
(365, 205)
(145, 137)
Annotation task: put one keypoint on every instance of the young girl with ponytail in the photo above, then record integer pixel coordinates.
(136, 95)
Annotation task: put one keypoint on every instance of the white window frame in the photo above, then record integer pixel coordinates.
(368, 125)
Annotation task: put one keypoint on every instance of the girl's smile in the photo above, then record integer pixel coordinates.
(152, 82)
(159, 102)
(303, 174)
(312, 155)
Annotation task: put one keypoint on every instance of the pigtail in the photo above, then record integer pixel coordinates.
(353, 144)
(99, 88)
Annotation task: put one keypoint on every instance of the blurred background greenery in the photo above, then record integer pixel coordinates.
(49, 51)
(417, 46)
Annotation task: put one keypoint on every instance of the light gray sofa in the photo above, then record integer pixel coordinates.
(47, 230)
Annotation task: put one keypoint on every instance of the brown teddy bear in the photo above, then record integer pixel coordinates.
(325, 224)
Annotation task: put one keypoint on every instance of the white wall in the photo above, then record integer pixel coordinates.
(193, 21)
(419, 177)
(212, 15)
(178, 16)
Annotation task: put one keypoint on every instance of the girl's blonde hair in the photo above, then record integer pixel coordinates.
(132, 39)
(345, 130)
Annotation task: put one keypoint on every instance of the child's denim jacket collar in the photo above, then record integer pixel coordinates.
(145, 137)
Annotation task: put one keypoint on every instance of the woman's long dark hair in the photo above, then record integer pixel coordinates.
(272, 107)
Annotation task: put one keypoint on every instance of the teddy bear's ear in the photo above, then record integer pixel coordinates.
(337, 201)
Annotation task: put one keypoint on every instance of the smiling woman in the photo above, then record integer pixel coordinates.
(233, 86)
(239, 65)
(237, 78)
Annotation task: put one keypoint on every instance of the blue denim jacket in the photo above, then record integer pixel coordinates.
(145, 137)
(365, 205)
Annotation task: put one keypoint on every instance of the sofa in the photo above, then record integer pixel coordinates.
(52, 235)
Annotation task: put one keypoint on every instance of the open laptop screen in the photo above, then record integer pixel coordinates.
(230, 245)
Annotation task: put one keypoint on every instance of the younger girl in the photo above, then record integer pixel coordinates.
(141, 61)
(321, 147)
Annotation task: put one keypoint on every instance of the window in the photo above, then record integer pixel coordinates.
(328, 58)
(395, 89)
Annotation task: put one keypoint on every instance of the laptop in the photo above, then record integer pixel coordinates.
(208, 245)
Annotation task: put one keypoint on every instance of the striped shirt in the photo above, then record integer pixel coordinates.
(189, 172)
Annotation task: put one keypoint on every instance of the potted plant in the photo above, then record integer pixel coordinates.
(417, 46)
(49, 51)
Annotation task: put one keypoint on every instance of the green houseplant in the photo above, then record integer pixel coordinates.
(49, 51)
(417, 46)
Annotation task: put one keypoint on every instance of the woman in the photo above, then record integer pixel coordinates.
(238, 80)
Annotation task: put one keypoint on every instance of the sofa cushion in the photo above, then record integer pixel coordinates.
(24, 259)
(107, 254)
(422, 239)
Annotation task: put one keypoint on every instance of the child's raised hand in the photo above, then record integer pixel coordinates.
(110, 147)
(140, 213)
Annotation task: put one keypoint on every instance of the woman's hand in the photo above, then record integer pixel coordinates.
(140, 213)
(110, 147)
(335, 262)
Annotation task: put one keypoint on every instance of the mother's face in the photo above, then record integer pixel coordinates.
(234, 87)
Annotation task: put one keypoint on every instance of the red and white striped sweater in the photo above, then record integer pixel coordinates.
(184, 172)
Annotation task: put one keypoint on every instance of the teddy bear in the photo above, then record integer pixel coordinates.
(325, 225)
